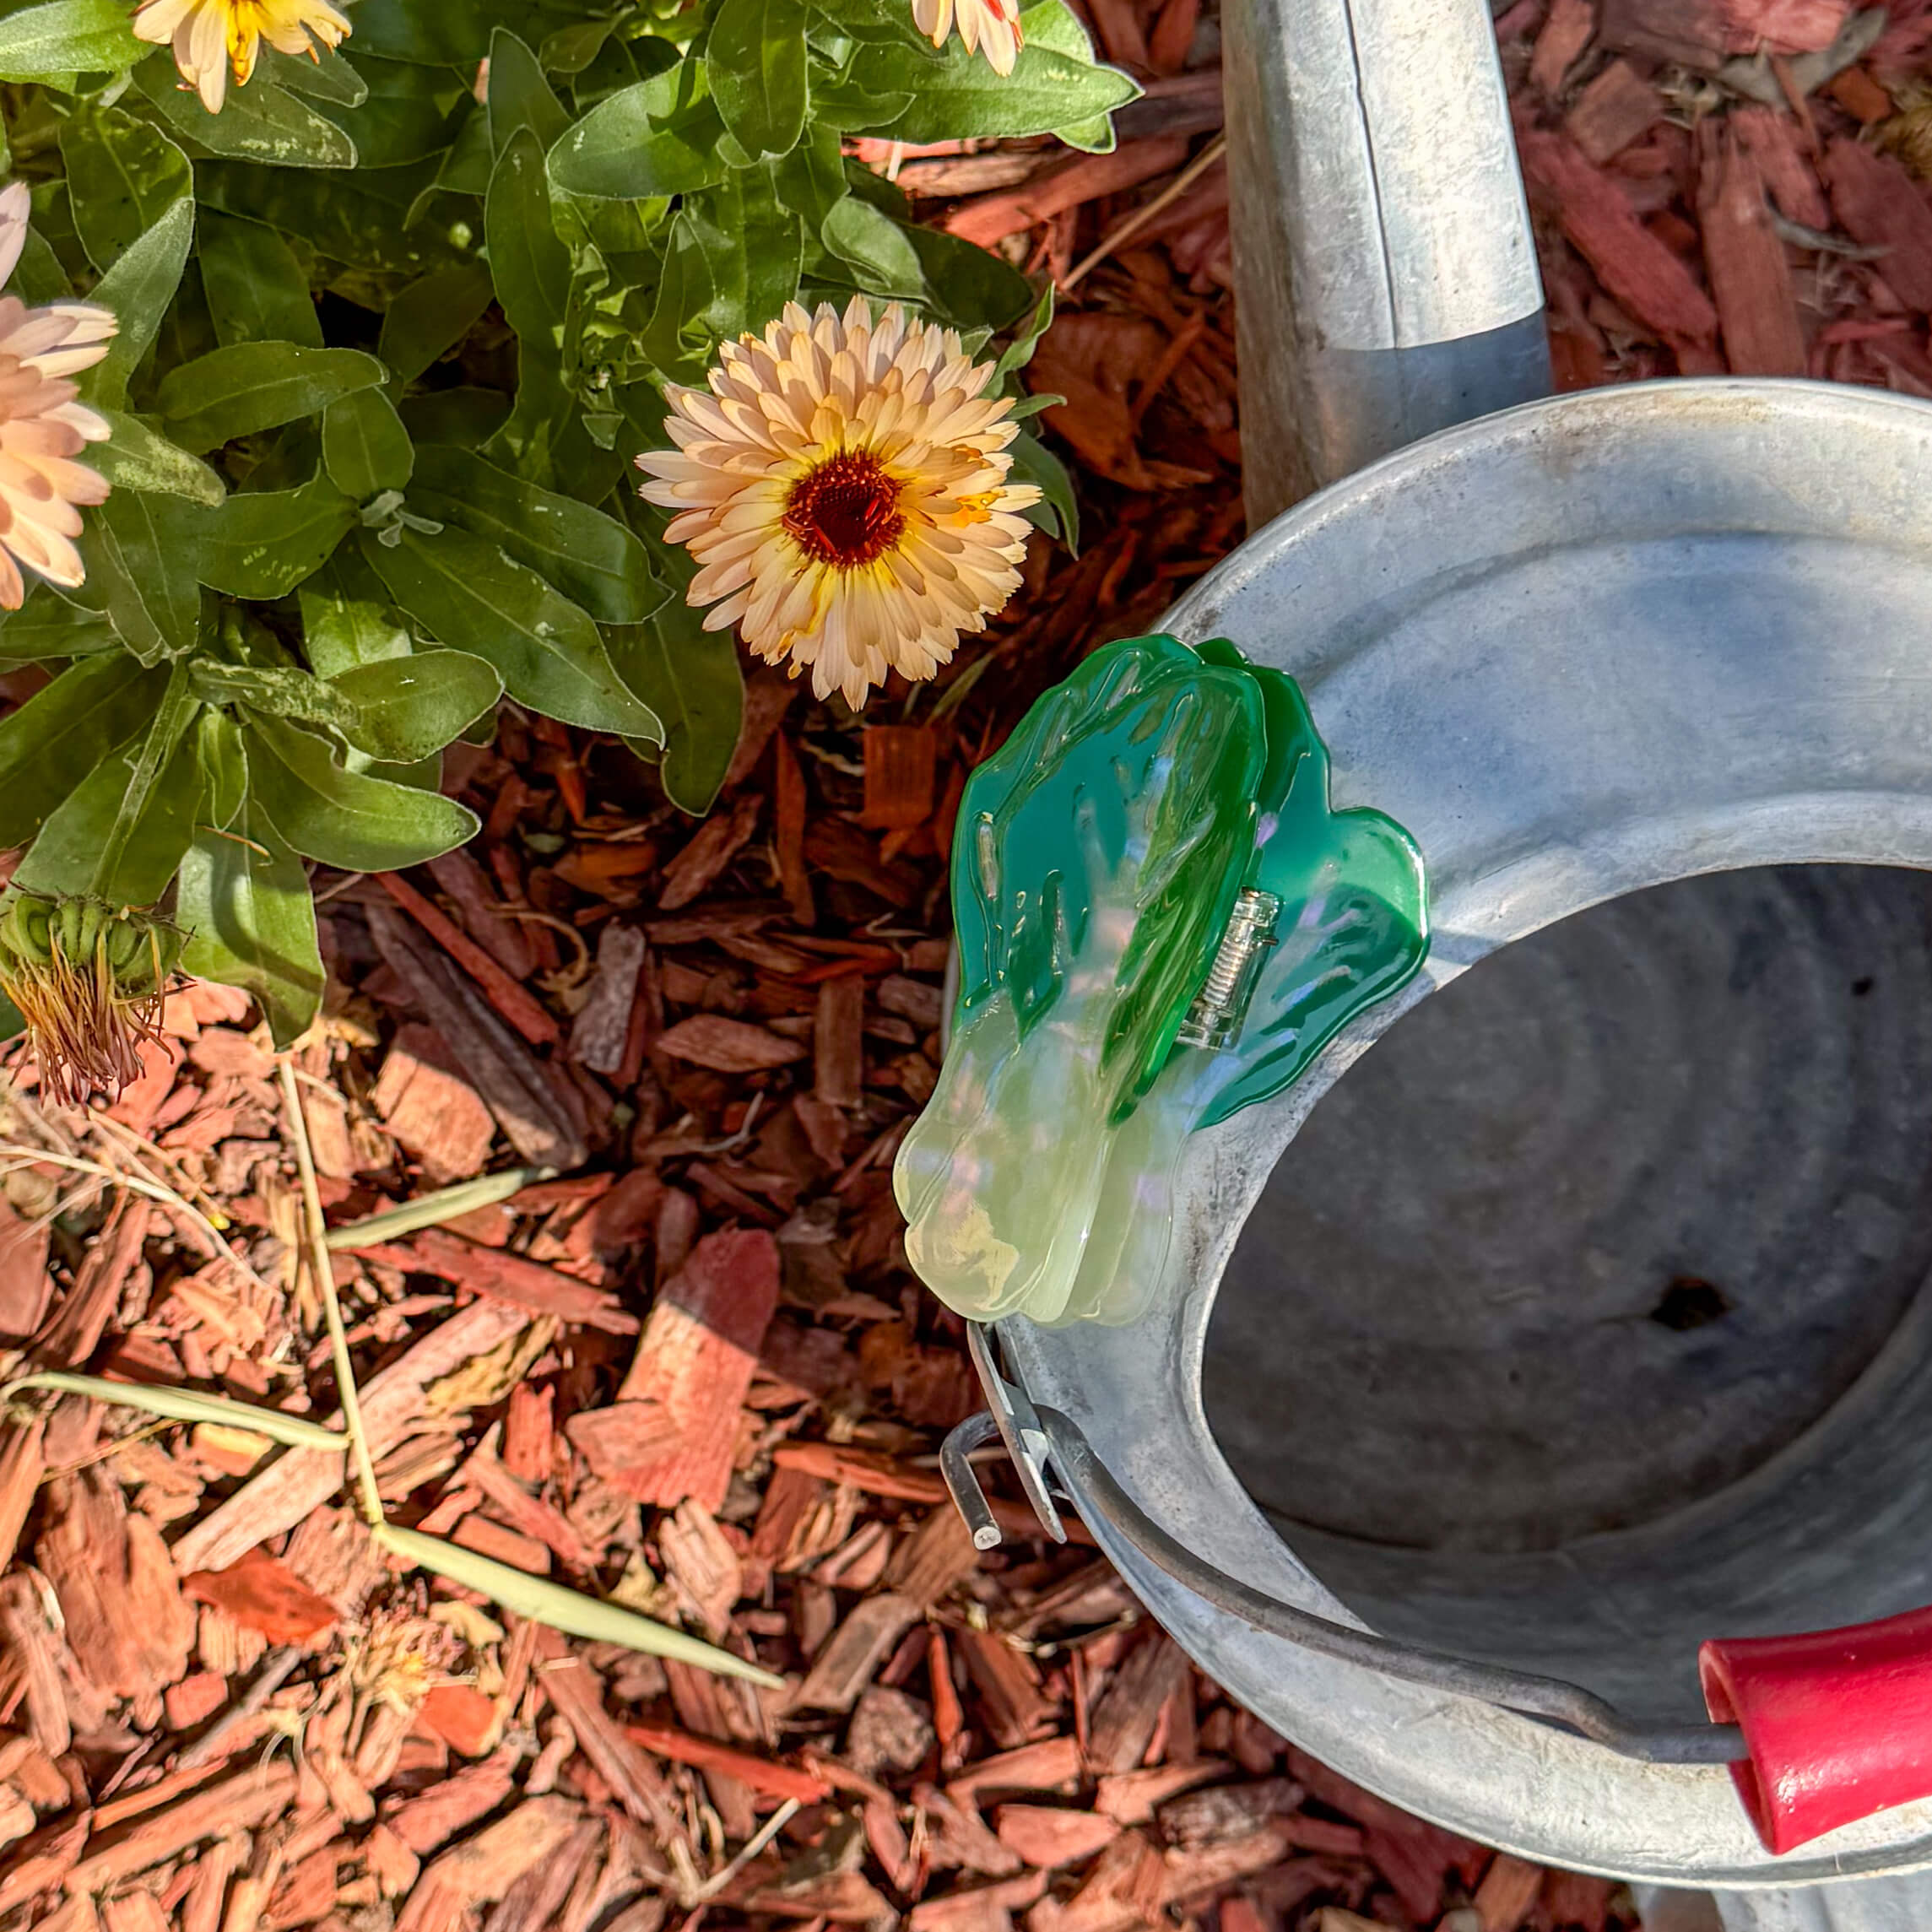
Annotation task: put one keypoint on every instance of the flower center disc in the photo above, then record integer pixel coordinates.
(846, 512)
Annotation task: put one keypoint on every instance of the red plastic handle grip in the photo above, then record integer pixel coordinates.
(1838, 1723)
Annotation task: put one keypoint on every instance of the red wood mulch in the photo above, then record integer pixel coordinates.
(691, 1371)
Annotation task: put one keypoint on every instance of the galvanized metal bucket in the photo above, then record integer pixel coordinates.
(1587, 1317)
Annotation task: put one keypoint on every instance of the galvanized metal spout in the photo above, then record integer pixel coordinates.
(1385, 278)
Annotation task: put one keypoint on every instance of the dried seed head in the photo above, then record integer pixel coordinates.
(88, 978)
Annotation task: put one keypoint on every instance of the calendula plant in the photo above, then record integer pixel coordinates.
(337, 334)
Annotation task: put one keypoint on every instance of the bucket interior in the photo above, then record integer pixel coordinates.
(1586, 1317)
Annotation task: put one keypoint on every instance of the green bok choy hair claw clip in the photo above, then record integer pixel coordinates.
(1161, 921)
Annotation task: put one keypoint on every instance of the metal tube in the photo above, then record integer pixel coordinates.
(1385, 275)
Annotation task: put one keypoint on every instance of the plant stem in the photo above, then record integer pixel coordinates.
(316, 1240)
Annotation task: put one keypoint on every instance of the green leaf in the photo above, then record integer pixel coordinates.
(275, 690)
(1019, 351)
(260, 122)
(658, 138)
(345, 818)
(321, 73)
(774, 251)
(967, 285)
(466, 591)
(185, 1405)
(1046, 92)
(365, 449)
(519, 96)
(684, 291)
(407, 708)
(138, 289)
(451, 33)
(811, 178)
(529, 266)
(567, 1611)
(243, 896)
(137, 457)
(55, 740)
(429, 318)
(261, 543)
(433, 1209)
(592, 559)
(65, 37)
(875, 248)
(355, 219)
(120, 833)
(689, 676)
(464, 417)
(38, 277)
(348, 619)
(140, 556)
(1057, 513)
(408, 114)
(47, 626)
(755, 64)
(252, 385)
(256, 290)
(122, 176)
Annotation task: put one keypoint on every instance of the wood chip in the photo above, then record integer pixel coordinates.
(1879, 203)
(577, 1698)
(1770, 137)
(480, 1870)
(302, 1480)
(436, 1814)
(856, 1650)
(1047, 1835)
(672, 1431)
(1565, 33)
(260, 1592)
(125, 1620)
(236, 1804)
(1629, 260)
(603, 1021)
(1508, 1893)
(539, 1121)
(1618, 107)
(1123, 1722)
(728, 1046)
(716, 843)
(900, 763)
(838, 1051)
(506, 994)
(502, 1276)
(1750, 275)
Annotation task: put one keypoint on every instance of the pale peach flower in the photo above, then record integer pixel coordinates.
(842, 485)
(989, 27)
(211, 36)
(42, 426)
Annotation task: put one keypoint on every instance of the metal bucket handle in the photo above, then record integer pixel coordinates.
(1832, 1725)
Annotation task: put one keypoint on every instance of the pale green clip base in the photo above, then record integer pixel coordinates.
(1098, 858)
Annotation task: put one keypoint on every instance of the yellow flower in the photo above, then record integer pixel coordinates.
(89, 981)
(990, 27)
(42, 427)
(842, 485)
(212, 36)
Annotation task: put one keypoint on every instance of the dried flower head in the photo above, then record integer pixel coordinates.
(88, 979)
(42, 427)
(212, 36)
(989, 27)
(400, 1655)
(842, 485)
